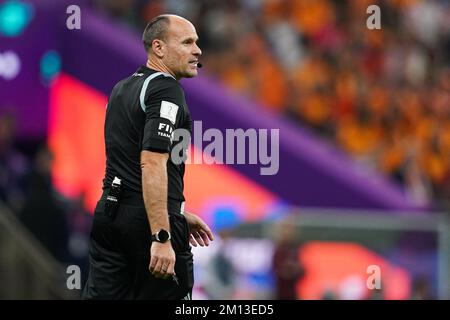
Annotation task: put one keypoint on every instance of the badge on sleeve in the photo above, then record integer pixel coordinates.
(169, 111)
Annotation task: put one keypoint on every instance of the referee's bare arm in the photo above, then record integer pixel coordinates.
(154, 188)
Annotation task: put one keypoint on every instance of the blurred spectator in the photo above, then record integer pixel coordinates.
(125, 11)
(376, 294)
(220, 278)
(328, 294)
(41, 213)
(79, 223)
(421, 289)
(13, 165)
(220, 281)
(285, 262)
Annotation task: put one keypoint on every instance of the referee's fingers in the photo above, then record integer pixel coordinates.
(199, 239)
(171, 269)
(192, 240)
(204, 236)
(167, 271)
(153, 261)
(157, 271)
(208, 231)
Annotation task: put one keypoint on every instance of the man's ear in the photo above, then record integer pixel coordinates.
(158, 48)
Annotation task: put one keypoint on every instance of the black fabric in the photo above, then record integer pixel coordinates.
(129, 129)
(119, 256)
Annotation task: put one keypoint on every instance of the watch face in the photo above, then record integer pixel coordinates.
(163, 235)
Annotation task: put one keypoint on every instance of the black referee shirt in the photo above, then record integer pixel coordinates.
(141, 114)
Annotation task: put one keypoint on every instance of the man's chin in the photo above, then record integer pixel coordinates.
(194, 72)
(191, 74)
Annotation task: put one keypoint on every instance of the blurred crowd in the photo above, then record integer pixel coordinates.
(61, 225)
(381, 95)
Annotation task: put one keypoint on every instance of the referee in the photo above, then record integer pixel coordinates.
(141, 235)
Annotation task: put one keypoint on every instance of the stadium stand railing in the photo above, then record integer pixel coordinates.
(27, 270)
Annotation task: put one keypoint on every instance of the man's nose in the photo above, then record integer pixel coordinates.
(197, 50)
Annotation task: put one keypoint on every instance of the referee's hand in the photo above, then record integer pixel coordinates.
(162, 260)
(199, 232)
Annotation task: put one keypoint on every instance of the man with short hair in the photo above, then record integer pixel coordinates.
(140, 235)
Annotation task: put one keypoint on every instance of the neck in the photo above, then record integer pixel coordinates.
(159, 66)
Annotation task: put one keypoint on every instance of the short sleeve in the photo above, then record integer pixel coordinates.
(163, 111)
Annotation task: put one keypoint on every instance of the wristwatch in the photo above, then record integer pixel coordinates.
(161, 236)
